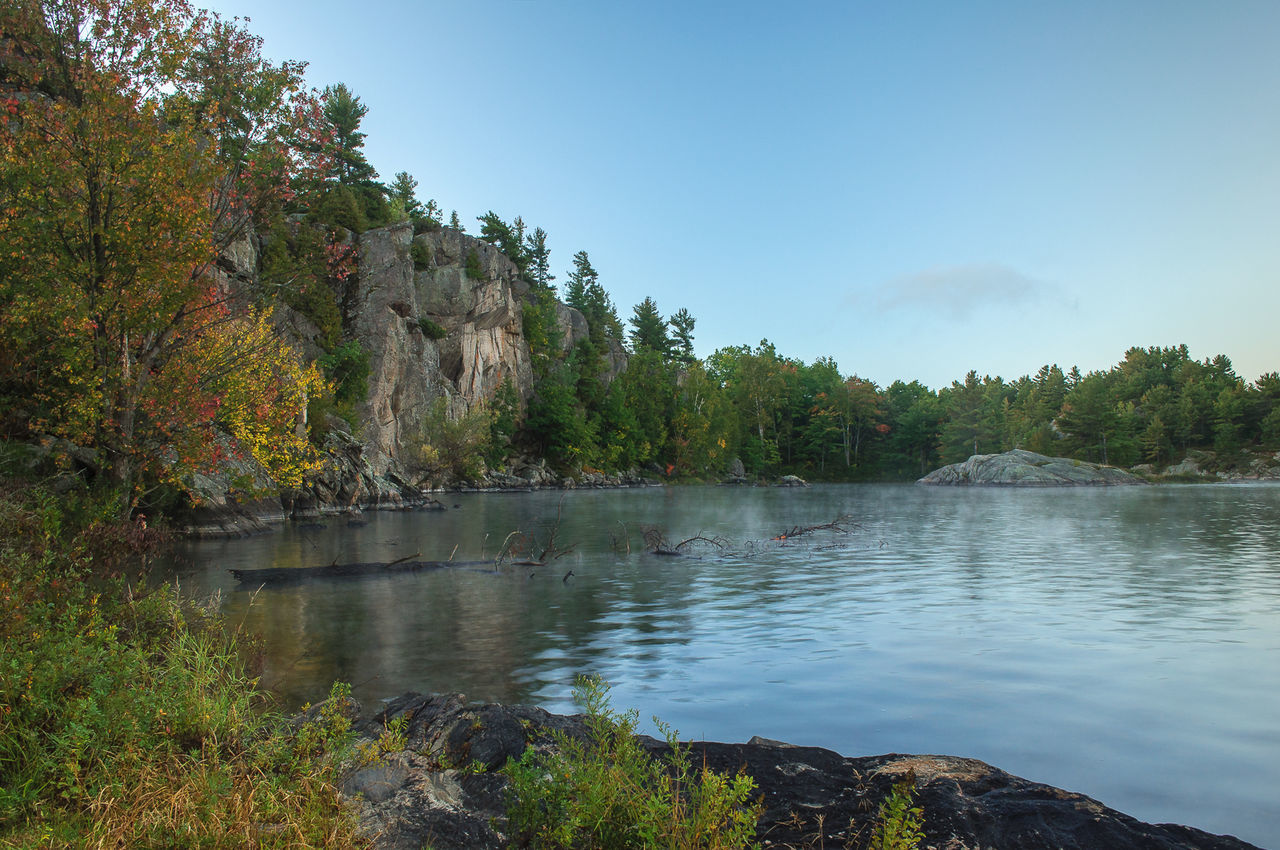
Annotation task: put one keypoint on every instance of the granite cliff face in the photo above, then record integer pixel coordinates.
(483, 343)
(431, 331)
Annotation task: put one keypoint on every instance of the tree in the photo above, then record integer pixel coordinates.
(913, 415)
(343, 112)
(404, 189)
(1090, 418)
(682, 336)
(649, 329)
(114, 204)
(584, 293)
(509, 238)
(539, 268)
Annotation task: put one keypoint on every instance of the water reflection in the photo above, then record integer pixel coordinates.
(1119, 642)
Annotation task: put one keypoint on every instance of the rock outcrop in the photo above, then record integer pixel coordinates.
(812, 797)
(439, 316)
(1023, 468)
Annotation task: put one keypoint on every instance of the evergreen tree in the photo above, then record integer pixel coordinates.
(343, 112)
(404, 189)
(649, 329)
(584, 293)
(682, 336)
(539, 268)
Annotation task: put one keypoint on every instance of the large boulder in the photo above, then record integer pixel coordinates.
(1023, 468)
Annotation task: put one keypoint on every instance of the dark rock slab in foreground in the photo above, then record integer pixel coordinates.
(1023, 468)
(812, 797)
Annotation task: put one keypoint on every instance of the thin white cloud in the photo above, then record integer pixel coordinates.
(959, 290)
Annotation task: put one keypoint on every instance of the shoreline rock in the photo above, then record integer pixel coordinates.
(443, 789)
(1021, 468)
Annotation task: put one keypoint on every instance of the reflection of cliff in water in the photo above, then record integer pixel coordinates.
(1139, 624)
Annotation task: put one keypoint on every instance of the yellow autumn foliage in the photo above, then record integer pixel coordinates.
(261, 388)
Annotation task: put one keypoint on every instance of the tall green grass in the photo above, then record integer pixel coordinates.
(128, 717)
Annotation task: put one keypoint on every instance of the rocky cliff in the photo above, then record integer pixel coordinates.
(431, 329)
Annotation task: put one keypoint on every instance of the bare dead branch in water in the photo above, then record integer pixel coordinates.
(525, 545)
(843, 524)
(717, 541)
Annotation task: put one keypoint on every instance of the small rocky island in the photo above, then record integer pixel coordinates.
(443, 789)
(1023, 468)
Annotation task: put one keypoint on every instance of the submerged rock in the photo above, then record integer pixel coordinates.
(442, 789)
(1023, 468)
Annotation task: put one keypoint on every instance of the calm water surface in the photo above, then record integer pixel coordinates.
(1124, 643)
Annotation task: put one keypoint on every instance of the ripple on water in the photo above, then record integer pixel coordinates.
(1120, 642)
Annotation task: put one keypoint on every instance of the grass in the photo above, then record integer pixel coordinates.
(128, 716)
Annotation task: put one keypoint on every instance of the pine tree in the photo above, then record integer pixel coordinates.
(682, 336)
(649, 329)
(539, 269)
(404, 188)
(343, 112)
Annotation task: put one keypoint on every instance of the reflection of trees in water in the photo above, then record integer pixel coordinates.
(1155, 558)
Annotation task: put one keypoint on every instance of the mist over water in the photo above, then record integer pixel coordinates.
(1119, 642)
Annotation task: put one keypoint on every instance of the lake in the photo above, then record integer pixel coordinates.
(1120, 642)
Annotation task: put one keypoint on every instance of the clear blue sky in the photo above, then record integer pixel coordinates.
(915, 189)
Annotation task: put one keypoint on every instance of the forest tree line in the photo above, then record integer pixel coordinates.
(142, 139)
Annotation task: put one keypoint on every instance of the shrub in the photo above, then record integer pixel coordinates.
(430, 329)
(127, 714)
(900, 824)
(421, 256)
(610, 792)
(473, 267)
(449, 448)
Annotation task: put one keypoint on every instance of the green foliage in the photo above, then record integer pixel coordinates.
(900, 825)
(343, 112)
(682, 336)
(294, 266)
(347, 367)
(472, 266)
(556, 425)
(649, 329)
(584, 293)
(129, 717)
(421, 256)
(542, 329)
(430, 329)
(450, 449)
(338, 206)
(504, 413)
(509, 238)
(610, 792)
(539, 268)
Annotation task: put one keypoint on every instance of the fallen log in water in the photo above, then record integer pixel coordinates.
(286, 575)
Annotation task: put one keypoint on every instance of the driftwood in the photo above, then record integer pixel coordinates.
(840, 523)
(287, 575)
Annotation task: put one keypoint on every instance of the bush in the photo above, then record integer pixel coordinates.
(473, 267)
(609, 792)
(430, 329)
(451, 449)
(900, 824)
(127, 714)
(339, 206)
(421, 256)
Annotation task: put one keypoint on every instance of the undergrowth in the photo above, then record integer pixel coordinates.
(610, 792)
(128, 717)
